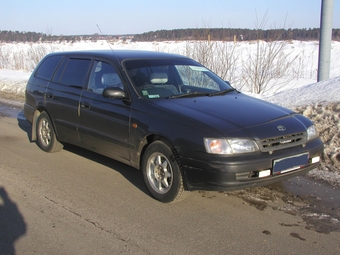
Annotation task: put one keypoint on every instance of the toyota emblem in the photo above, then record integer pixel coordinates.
(281, 128)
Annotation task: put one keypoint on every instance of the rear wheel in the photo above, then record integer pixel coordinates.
(162, 174)
(46, 138)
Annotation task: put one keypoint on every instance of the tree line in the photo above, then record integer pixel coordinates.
(229, 34)
(214, 34)
(16, 36)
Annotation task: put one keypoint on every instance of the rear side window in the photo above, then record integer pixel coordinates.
(47, 68)
(75, 72)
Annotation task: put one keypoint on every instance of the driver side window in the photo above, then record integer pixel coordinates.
(103, 75)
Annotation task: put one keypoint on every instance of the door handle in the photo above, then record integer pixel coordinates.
(85, 105)
(38, 92)
(49, 95)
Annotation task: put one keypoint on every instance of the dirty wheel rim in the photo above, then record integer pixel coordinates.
(159, 173)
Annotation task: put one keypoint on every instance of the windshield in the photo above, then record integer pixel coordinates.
(173, 78)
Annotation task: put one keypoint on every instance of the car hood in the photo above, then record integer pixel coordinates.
(231, 112)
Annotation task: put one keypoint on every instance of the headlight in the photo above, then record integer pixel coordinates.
(312, 133)
(230, 146)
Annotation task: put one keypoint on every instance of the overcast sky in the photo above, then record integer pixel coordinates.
(75, 17)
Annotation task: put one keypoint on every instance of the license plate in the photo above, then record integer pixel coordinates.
(290, 163)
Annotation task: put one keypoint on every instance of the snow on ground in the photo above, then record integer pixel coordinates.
(13, 82)
(319, 101)
(319, 92)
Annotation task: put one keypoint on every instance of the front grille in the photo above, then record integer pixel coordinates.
(282, 142)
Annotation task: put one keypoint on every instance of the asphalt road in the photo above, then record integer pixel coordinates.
(78, 202)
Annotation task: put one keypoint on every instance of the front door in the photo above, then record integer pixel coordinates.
(104, 122)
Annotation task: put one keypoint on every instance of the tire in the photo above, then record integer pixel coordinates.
(46, 138)
(162, 174)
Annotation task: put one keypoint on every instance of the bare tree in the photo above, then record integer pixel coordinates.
(220, 57)
(48, 31)
(267, 65)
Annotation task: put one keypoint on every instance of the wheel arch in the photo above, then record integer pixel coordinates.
(146, 141)
(36, 114)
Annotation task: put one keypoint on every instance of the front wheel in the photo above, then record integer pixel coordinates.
(46, 138)
(162, 174)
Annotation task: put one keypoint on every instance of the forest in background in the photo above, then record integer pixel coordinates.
(214, 34)
(229, 34)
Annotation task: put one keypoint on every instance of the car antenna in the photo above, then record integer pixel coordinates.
(108, 43)
(105, 37)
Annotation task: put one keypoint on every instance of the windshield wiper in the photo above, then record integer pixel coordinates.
(196, 94)
(222, 92)
(192, 94)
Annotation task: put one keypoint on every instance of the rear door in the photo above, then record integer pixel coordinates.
(63, 95)
(104, 122)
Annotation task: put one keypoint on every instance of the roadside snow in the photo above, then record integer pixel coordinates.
(320, 92)
(13, 82)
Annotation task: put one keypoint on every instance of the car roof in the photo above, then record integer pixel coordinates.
(120, 55)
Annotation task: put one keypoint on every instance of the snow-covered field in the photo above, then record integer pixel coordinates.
(318, 101)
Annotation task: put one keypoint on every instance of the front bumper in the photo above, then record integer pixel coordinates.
(203, 171)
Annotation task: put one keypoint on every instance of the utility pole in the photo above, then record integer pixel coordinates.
(325, 40)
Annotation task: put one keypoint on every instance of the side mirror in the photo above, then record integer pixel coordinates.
(113, 92)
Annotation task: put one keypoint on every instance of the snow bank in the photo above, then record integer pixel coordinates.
(13, 82)
(326, 119)
(320, 92)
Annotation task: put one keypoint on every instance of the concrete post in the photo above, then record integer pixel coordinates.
(325, 41)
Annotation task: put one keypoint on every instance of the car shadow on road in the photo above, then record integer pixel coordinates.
(133, 175)
(12, 223)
